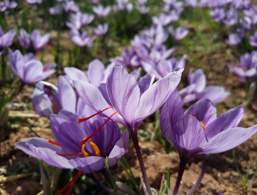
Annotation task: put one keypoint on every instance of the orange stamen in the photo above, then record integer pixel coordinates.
(202, 125)
(80, 120)
(95, 148)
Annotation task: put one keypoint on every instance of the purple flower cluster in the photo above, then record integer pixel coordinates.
(28, 69)
(238, 16)
(94, 112)
(6, 5)
(197, 89)
(34, 40)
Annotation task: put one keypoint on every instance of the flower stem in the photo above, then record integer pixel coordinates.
(140, 160)
(199, 179)
(182, 166)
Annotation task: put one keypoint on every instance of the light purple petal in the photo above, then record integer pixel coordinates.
(227, 120)
(123, 92)
(228, 139)
(154, 97)
(40, 149)
(66, 94)
(95, 72)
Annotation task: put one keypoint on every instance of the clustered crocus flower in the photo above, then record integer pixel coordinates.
(85, 146)
(35, 40)
(27, 68)
(48, 99)
(247, 68)
(198, 130)
(238, 16)
(6, 5)
(6, 38)
(197, 89)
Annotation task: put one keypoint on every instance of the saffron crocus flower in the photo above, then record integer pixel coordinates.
(6, 39)
(101, 29)
(78, 20)
(198, 130)
(81, 39)
(32, 2)
(35, 40)
(28, 69)
(197, 89)
(180, 33)
(101, 11)
(247, 69)
(164, 67)
(45, 99)
(48, 99)
(6, 5)
(95, 75)
(83, 146)
(253, 40)
(123, 5)
(71, 6)
(24, 39)
(133, 101)
(234, 39)
(39, 41)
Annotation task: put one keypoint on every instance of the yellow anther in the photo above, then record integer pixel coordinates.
(202, 125)
(95, 148)
(83, 150)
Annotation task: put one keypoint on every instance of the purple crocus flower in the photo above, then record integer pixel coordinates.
(72, 148)
(24, 39)
(142, 7)
(123, 5)
(198, 130)
(96, 74)
(101, 29)
(55, 10)
(48, 99)
(71, 6)
(6, 5)
(247, 69)
(32, 2)
(133, 100)
(218, 14)
(197, 89)
(78, 20)
(39, 41)
(45, 99)
(81, 39)
(34, 40)
(101, 11)
(253, 40)
(180, 33)
(163, 67)
(6, 39)
(234, 39)
(28, 69)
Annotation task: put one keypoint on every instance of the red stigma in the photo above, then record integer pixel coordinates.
(80, 120)
(53, 142)
(85, 140)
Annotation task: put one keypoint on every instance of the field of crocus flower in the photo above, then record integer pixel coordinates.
(128, 97)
